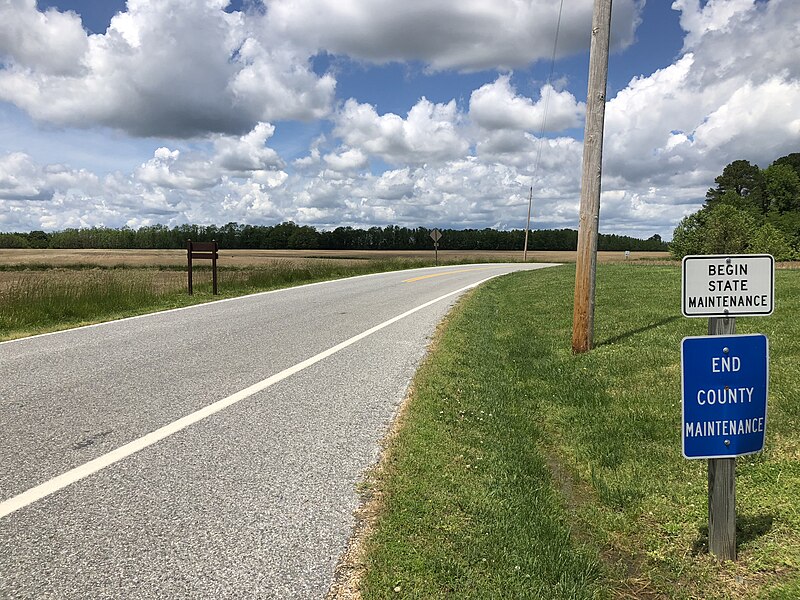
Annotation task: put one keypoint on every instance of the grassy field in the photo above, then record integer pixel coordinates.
(522, 471)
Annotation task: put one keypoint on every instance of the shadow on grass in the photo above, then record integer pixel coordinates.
(751, 527)
(629, 334)
(748, 528)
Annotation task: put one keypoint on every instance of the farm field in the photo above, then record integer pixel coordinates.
(246, 258)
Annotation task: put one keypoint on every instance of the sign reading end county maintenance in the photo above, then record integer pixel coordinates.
(724, 395)
(728, 285)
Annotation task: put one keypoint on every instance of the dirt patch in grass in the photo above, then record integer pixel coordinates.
(626, 566)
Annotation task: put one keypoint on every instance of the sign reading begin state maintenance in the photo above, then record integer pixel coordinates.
(724, 381)
(728, 285)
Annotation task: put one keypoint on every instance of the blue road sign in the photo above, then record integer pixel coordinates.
(724, 395)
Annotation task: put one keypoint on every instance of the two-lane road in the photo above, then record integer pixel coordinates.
(208, 452)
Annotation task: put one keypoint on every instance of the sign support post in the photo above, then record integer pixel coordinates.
(722, 480)
(436, 235)
(208, 250)
(189, 258)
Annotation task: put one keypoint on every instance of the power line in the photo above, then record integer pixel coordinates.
(540, 141)
(548, 87)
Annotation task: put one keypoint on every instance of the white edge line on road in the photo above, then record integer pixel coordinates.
(101, 462)
(286, 289)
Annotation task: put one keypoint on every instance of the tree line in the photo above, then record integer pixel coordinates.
(289, 235)
(750, 210)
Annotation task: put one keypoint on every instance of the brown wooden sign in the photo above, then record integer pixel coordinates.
(204, 251)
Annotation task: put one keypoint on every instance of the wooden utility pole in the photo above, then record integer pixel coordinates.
(583, 316)
(527, 227)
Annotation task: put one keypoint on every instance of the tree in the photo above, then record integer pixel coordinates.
(688, 235)
(782, 187)
(38, 239)
(727, 231)
(13, 240)
(721, 229)
(788, 223)
(228, 235)
(742, 179)
(749, 210)
(793, 160)
(304, 237)
(768, 239)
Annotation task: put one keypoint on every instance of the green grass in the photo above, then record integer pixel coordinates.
(40, 303)
(522, 471)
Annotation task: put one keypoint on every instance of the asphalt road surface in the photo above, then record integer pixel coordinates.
(207, 452)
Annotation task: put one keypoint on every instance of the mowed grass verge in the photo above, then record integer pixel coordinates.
(522, 471)
(44, 299)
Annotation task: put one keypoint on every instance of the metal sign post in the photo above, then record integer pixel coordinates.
(436, 235)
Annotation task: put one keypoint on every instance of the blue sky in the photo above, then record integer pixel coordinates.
(346, 112)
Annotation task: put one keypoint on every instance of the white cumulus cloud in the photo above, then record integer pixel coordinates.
(173, 68)
(717, 103)
(245, 156)
(498, 106)
(447, 34)
(51, 42)
(346, 160)
(429, 133)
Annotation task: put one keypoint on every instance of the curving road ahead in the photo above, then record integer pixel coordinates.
(207, 452)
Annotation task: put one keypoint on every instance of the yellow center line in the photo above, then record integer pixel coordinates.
(413, 279)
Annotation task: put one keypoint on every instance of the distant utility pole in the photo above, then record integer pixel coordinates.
(527, 227)
(583, 316)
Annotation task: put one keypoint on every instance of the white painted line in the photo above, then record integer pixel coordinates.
(101, 462)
